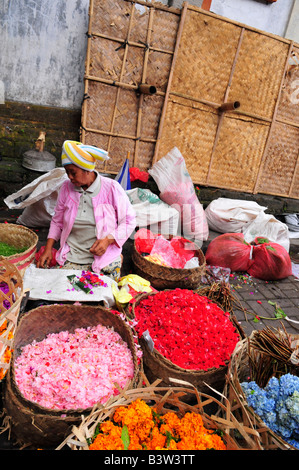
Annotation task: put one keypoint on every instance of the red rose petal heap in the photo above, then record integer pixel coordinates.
(187, 329)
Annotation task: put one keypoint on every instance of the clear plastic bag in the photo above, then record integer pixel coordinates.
(177, 190)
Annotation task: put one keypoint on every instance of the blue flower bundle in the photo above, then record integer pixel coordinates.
(277, 405)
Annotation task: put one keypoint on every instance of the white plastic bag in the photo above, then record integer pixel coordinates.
(266, 225)
(226, 215)
(38, 198)
(40, 213)
(176, 189)
(153, 213)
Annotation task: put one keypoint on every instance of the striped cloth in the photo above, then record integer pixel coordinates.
(82, 155)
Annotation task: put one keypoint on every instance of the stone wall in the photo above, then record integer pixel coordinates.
(20, 125)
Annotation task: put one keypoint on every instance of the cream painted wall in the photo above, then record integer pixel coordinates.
(43, 43)
(270, 17)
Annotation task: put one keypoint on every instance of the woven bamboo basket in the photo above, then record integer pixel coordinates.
(10, 301)
(156, 366)
(163, 277)
(164, 399)
(19, 237)
(262, 437)
(29, 423)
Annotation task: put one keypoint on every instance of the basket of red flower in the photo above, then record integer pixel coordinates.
(18, 245)
(156, 418)
(160, 274)
(66, 358)
(186, 336)
(11, 293)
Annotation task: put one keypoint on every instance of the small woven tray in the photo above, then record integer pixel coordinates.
(163, 277)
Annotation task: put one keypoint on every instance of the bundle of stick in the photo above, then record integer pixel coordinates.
(272, 352)
(220, 292)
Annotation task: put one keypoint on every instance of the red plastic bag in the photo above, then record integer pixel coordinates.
(271, 261)
(144, 240)
(230, 250)
(136, 174)
(184, 248)
(53, 260)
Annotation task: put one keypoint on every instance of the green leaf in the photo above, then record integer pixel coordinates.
(262, 240)
(125, 437)
(279, 313)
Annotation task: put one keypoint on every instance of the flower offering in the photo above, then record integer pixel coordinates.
(87, 281)
(74, 370)
(187, 329)
(140, 427)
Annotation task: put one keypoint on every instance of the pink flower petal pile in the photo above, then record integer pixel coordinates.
(74, 370)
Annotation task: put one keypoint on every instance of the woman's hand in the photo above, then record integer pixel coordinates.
(46, 257)
(100, 246)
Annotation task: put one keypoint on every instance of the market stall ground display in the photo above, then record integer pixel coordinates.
(263, 301)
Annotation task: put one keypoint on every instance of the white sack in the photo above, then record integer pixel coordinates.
(37, 189)
(226, 215)
(53, 285)
(38, 199)
(266, 225)
(177, 190)
(153, 213)
(40, 213)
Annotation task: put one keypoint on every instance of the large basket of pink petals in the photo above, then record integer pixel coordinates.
(66, 359)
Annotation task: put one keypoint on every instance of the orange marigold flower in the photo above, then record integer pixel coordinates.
(137, 417)
(156, 440)
(147, 430)
(109, 438)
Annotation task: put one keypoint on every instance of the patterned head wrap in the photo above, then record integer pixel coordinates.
(81, 155)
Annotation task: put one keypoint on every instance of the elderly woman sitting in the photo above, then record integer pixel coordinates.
(93, 216)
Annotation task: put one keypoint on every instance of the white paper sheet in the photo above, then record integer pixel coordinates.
(53, 285)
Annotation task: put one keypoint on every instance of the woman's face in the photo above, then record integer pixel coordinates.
(78, 176)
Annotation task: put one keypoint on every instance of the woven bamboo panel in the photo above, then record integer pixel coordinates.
(129, 43)
(258, 73)
(279, 169)
(206, 52)
(254, 147)
(196, 61)
(192, 129)
(236, 159)
(288, 108)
